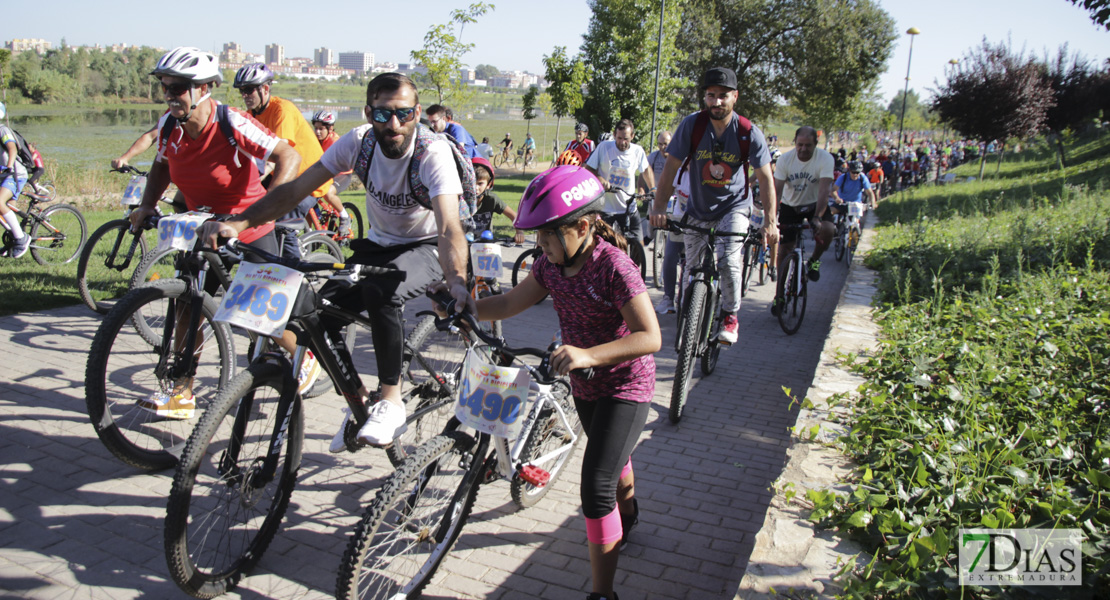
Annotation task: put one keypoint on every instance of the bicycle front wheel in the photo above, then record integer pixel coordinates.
(58, 237)
(126, 369)
(658, 250)
(711, 324)
(104, 269)
(433, 369)
(156, 265)
(636, 253)
(413, 522)
(233, 484)
(839, 243)
(793, 294)
(748, 261)
(687, 347)
(548, 435)
(523, 266)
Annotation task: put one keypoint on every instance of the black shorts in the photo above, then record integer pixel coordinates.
(796, 215)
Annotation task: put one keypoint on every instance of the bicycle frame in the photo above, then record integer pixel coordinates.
(706, 272)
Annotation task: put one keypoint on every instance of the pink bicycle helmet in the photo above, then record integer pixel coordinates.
(478, 161)
(559, 196)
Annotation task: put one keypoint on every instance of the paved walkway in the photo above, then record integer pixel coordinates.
(76, 523)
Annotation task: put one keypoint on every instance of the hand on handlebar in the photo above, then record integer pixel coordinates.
(139, 216)
(212, 231)
(439, 292)
(119, 164)
(568, 358)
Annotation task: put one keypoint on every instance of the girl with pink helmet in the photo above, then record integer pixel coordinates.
(607, 323)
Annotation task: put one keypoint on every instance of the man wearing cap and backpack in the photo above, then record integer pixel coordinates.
(714, 148)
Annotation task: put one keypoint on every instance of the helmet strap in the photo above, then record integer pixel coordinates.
(571, 261)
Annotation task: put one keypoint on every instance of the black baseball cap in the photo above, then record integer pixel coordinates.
(719, 76)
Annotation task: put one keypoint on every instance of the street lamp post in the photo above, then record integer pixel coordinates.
(658, 63)
(953, 62)
(912, 31)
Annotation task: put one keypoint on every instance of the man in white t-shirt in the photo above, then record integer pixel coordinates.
(427, 243)
(803, 180)
(618, 163)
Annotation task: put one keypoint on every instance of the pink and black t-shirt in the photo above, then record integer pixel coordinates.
(588, 305)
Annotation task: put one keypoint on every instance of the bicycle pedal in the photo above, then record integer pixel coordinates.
(535, 475)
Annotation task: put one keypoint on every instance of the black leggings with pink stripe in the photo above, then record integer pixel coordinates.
(612, 428)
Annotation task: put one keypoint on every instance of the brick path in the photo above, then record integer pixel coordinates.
(76, 523)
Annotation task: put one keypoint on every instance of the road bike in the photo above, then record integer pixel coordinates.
(790, 297)
(699, 319)
(525, 434)
(113, 251)
(57, 232)
(238, 469)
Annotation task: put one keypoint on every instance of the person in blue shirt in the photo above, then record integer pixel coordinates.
(850, 186)
(442, 120)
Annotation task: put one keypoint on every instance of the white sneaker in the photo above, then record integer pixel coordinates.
(21, 246)
(665, 306)
(310, 372)
(386, 422)
(337, 443)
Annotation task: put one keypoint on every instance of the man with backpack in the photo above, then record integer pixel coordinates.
(14, 174)
(714, 148)
(419, 189)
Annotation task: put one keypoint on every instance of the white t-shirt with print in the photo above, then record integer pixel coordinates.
(620, 169)
(392, 212)
(803, 179)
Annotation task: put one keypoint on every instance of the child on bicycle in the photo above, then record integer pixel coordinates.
(607, 324)
(488, 202)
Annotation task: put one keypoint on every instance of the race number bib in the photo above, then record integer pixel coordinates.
(179, 232)
(855, 210)
(133, 193)
(757, 217)
(491, 398)
(486, 259)
(260, 298)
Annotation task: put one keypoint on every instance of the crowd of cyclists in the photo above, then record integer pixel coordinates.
(427, 181)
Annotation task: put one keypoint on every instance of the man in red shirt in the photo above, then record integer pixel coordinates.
(581, 144)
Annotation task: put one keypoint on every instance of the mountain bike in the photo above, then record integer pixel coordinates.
(699, 319)
(238, 469)
(327, 221)
(113, 251)
(855, 217)
(416, 517)
(622, 223)
(658, 254)
(57, 232)
(754, 255)
(840, 239)
(790, 297)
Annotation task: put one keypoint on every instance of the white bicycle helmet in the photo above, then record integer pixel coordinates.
(253, 74)
(193, 64)
(324, 116)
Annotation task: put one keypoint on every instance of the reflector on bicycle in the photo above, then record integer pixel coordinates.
(486, 259)
(179, 232)
(260, 298)
(492, 398)
(133, 193)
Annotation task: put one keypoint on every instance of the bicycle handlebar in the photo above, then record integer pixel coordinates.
(236, 249)
(130, 169)
(543, 373)
(678, 227)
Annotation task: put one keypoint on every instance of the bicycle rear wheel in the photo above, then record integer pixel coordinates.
(319, 242)
(413, 522)
(125, 367)
(694, 301)
(358, 228)
(58, 238)
(523, 266)
(105, 267)
(658, 251)
(839, 243)
(748, 259)
(433, 371)
(636, 253)
(793, 294)
(224, 508)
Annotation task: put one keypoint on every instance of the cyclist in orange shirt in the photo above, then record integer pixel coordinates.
(875, 174)
(284, 119)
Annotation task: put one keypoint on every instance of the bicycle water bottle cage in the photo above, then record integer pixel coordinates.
(534, 475)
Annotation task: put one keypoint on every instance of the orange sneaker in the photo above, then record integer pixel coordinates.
(173, 405)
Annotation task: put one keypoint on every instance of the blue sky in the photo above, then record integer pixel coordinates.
(518, 33)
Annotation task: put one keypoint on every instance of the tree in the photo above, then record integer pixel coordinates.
(443, 51)
(620, 48)
(1099, 10)
(486, 72)
(565, 77)
(529, 101)
(1077, 88)
(994, 94)
(918, 115)
(822, 56)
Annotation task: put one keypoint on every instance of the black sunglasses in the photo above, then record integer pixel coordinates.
(176, 89)
(383, 115)
(247, 90)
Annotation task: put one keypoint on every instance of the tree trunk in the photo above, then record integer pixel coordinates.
(1001, 153)
(1061, 156)
(982, 163)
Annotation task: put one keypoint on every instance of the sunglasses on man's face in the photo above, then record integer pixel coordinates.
(383, 115)
(247, 90)
(177, 89)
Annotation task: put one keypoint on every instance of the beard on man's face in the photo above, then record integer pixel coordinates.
(392, 146)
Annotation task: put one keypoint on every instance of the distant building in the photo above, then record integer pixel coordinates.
(411, 68)
(275, 54)
(18, 45)
(323, 57)
(233, 53)
(361, 62)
